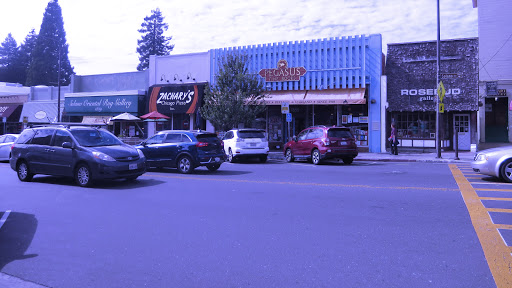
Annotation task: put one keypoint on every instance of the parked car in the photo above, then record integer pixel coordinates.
(320, 143)
(495, 162)
(6, 142)
(245, 143)
(85, 153)
(184, 150)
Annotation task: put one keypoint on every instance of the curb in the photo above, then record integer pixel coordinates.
(394, 160)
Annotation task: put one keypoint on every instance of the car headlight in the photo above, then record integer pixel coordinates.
(102, 156)
(481, 157)
(141, 154)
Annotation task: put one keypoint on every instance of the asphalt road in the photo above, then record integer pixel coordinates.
(368, 224)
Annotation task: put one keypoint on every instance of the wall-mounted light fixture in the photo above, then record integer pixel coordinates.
(189, 76)
(177, 77)
(373, 101)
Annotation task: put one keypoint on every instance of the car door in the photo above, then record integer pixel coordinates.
(151, 149)
(229, 141)
(5, 148)
(62, 158)
(39, 156)
(170, 148)
(299, 147)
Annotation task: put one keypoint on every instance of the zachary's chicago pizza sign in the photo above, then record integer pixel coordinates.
(282, 72)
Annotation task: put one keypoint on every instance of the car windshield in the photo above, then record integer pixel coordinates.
(94, 137)
(251, 134)
(339, 133)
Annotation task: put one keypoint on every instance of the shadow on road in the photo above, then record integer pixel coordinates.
(119, 184)
(200, 171)
(15, 237)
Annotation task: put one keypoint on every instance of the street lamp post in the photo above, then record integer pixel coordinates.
(438, 130)
(58, 94)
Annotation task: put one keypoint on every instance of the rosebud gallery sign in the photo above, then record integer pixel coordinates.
(282, 73)
(171, 99)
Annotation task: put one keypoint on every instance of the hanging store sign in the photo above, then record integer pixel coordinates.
(172, 99)
(282, 73)
(491, 88)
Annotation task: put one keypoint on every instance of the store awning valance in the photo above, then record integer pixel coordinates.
(317, 97)
(7, 109)
(40, 112)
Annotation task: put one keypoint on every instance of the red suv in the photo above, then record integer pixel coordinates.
(319, 143)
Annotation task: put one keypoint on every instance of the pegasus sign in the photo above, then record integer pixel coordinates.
(282, 73)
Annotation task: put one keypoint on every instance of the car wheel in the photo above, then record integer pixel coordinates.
(83, 175)
(263, 159)
(185, 165)
(213, 167)
(315, 157)
(231, 157)
(24, 172)
(348, 160)
(289, 155)
(506, 171)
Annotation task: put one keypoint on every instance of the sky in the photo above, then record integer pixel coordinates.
(102, 34)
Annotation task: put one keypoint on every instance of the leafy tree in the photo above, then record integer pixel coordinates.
(49, 47)
(8, 54)
(153, 41)
(236, 96)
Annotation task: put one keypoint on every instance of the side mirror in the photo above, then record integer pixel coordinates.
(67, 145)
(294, 138)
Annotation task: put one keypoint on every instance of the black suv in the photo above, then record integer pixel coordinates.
(184, 150)
(85, 153)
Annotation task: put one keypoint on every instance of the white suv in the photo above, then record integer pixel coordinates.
(240, 143)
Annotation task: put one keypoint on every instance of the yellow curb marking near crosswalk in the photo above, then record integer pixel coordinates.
(496, 251)
(505, 227)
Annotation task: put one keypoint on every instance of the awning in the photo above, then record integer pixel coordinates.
(40, 112)
(7, 109)
(99, 120)
(317, 97)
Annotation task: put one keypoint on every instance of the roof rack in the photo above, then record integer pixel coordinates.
(318, 126)
(64, 124)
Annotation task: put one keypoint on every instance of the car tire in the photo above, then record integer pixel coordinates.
(83, 175)
(263, 158)
(289, 155)
(133, 178)
(213, 167)
(348, 160)
(506, 171)
(231, 157)
(315, 157)
(185, 165)
(24, 172)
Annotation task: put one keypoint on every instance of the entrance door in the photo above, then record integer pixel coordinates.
(496, 121)
(461, 125)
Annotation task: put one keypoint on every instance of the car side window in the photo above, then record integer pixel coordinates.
(2, 138)
(43, 137)
(157, 139)
(10, 138)
(173, 138)
(315, 133)
(228, 135)
(61, 137)
(26, 136)
(185, 138)
(302, 135)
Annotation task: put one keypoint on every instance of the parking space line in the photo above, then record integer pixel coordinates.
(495, 199)
(505, 227)
(4, 218)
(489, 183)
(498, 190)
(499, 210)
(495, 250)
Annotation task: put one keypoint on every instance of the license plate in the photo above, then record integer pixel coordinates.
(132, 166)
(343, 143)
(217, 159)
(252, 144)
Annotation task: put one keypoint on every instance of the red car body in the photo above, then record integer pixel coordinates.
(320, 143)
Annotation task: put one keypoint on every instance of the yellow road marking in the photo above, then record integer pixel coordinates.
(495, 199)
(499, 190)
(499, 210)
(496, 252)
(505, 227)
(298, 183)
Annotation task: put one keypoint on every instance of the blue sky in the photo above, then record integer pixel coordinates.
(102, 34)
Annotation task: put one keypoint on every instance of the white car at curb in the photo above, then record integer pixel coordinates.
(245, 143)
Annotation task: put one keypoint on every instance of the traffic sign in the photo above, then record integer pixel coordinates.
(285, 107)
(441, 107)
(288, 117)
(441, 91)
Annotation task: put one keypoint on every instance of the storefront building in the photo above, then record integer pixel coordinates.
(334, 81)
(411, 71)
(12, 99)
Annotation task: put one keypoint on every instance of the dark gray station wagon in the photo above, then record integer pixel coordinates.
(85, 153)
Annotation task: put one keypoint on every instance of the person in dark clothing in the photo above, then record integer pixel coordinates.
(393, 140)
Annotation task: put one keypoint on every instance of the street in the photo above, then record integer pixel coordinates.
(278, 224)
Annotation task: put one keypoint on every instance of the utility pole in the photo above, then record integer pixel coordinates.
(438, 136)
(58, 95)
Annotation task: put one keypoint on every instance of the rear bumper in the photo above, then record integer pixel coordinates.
(211, 160)
(250, 151)
(338, 153)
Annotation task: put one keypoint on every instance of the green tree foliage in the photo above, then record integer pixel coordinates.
(236, 96)
(49, 47)
(8, 54)
(25, 56)
(153, 41)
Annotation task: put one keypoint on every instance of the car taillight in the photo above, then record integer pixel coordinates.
(12, 146)
(327, 142)
(202, 144)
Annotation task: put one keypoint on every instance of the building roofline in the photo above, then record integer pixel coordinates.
(434, 41)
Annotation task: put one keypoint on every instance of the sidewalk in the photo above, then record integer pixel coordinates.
(446, 157)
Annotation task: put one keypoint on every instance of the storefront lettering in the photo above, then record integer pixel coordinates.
(101, 103)
(428, 94)
(282, 73)
(175, 98)
(3, 108)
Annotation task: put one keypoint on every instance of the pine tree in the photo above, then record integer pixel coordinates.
(153, 41)
(24, 56)
(49, 47)
(8, 54)
(236, 97)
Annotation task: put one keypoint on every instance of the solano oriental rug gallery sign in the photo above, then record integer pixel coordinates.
(107, 105)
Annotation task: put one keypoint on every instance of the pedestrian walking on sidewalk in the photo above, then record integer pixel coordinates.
(393, 140)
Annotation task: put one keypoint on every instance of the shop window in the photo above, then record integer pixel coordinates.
(416, 125)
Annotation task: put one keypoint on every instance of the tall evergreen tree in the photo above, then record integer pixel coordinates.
(24, 56)
(236, 97)
(8, 54)
(153, 41)
(49, 47)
